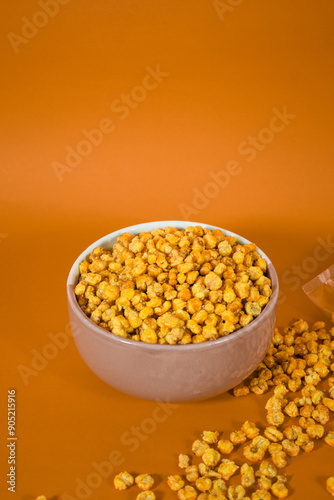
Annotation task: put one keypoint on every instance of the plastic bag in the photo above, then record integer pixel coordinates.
(321, 291)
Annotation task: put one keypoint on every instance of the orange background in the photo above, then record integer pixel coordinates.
(227, 72)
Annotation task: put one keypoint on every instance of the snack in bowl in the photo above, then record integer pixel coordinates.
(173, 285)
(200, 348)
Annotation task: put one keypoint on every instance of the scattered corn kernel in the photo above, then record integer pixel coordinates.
(144, 481)
(123, 480)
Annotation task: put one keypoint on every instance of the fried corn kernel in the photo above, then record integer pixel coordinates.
(275, 417)
(250, 429)
(183, 461)
(227, 468)
(144, 481)
(210, 437)
(264, 482)
(175, 482)
(236, 492)
(211, 457)
(267, 469)
(279, 490)
(192, 473)
(273, 434)
(187, 493)
(261, 495)
(329, 402)
(240, 390)
(321, 414)
(329, 438)
(291, 409)
(257, 449)
(315, 431)
(123, 480)
(290, 447)
(205, 470)
(225, 446)
(330, 485)
(199, 284)
(146, 495)
(199, 447)
(219, 489)
(41, 497)
(247, 475)
(203, 484)
(237, 437)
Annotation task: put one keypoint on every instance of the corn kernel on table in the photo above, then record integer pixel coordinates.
(118, 113)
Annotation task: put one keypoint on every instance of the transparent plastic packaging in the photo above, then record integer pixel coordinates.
(320, 290)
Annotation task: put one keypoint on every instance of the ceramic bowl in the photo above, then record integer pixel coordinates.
(170, 373)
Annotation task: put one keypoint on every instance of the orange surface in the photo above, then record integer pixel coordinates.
(188, 98)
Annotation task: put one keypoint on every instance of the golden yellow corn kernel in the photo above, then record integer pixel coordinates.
(212, 281)
(315, 431)
(275, 417)
(203, 484)
(144, 481)
(250, 429)
(330, 485)
(123, 480)
(279, 489)
(175, 482)
(278, 459)
(228, 295)
(192, 473)
(197, 339)
(257, 449)
(240, 390)
(252, 309)
(274, 402)
(108, 292)
(291, 409)
(149, 335)
(261, 495)
(273, 434)
(186, 339)
(242, 289)
(236, 492)
(329, 438)
(247, 475)
(290, 447)
(80, 288)
(329, 402)
(97, 266)
(321, 414)
(83, 267)
(237, 437)
(183, 461)
(219, 488)
(267, 469)
(210, 437)
(187, 493)
(225, 328)
(225, 446)
(211, 457)
(258, 385)
(209, 332)
(227, 468)
(146, 495)
(263, 482)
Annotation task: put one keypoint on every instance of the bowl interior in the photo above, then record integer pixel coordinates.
(109, 240)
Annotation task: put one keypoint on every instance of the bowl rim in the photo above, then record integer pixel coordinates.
(136, 229)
